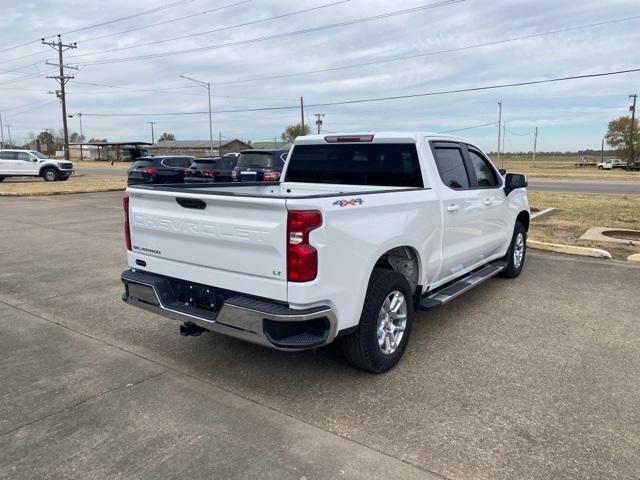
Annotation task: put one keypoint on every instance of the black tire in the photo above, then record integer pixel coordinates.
(361, 347)
(2, 178)
(513, 267)
(50, 175)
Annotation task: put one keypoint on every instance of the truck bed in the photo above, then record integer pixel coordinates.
(268, 189)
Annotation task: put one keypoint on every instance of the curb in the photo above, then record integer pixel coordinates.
(63, 192)
(569, 249)
(543, 213)
(634, 258)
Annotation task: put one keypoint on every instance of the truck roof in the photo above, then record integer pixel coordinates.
(380, 137)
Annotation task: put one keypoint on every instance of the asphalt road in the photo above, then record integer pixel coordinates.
(568, 186)
(533, 378)
(604, 187)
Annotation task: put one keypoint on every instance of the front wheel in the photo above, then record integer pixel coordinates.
(382, 335)
(516, 253)
(50, 175)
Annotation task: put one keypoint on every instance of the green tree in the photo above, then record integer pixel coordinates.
(619, 137)
(167, 137)
(293, 131)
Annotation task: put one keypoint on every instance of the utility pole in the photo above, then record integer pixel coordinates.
(153, 137)
(206, 85)
(499, 126)
(1, 132)
(9, 133)
(504, 138)
(602, 152)
(62, 80)
(535, 146)
(219, 144)
(632, 159)
(302, 114)
(319, 122)
(81, 135)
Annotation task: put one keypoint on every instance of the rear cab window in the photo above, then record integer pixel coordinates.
(381, 164)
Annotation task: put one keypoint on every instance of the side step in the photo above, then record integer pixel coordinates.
(439, 297)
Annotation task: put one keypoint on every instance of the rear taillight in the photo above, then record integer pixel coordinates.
(152, 171)
(210, 173)
(271, 176)
(127, 230)
(302, 258)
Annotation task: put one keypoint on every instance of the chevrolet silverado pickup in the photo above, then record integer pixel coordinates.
(361, 232)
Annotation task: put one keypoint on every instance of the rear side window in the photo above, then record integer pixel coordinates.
(177, 162)
(8, 155)
(451, 167)
(485, 174)
(142, 164)
(390, 165)
(255, 159)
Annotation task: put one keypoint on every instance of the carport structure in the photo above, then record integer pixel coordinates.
(132, 147)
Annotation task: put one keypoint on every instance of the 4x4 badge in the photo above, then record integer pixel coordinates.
(351, 201)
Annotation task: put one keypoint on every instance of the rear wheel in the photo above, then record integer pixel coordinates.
(516, 253)
(382, 335)
(50, 175)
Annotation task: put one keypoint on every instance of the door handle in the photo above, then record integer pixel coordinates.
(487, 202)
(453, 208)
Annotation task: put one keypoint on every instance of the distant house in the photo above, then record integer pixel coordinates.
(197, 148)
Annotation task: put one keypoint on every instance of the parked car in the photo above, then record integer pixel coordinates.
(611, 164)
(264, 165)
(31, 163)
(218, 169)
(363, 231)
(152, 170)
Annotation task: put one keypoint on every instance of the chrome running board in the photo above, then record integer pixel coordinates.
(444, 295)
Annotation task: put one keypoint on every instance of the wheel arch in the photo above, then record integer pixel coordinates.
(406, 260)
(524, 218)
(48, 167)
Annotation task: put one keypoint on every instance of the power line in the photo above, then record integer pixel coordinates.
(425, 54)
(88, 27)
(230, 27)
(490, 124)
(380, 99)
(171, 20)
(276, 36)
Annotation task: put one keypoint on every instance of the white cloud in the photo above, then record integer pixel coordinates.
(572, 114)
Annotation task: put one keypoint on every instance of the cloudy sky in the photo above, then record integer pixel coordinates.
(267, 53)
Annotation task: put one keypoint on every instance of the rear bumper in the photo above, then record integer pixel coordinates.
(259, 321)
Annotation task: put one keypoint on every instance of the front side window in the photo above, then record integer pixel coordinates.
(450, 163)
(24, 156)
(485, 174)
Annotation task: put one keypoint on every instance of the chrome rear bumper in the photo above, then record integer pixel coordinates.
(254, 320)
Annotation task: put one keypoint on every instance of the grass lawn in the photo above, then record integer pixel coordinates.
(563, 168)
(578, 213)
(73, 185)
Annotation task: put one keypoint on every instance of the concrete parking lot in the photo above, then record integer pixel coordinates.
(529, 378)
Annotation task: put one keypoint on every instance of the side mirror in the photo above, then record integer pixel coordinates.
(502, 171)
(514, 181)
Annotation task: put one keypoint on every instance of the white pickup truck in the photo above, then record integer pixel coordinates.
(362, 231)
(31, 163)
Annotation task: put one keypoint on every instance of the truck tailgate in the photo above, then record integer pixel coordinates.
(234, 243)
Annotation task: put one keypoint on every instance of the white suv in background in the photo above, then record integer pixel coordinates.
(31, 163)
